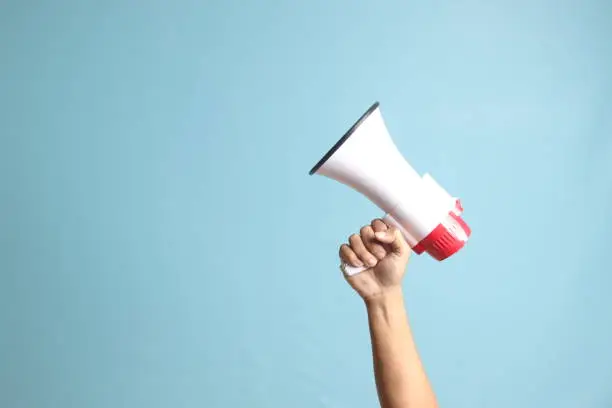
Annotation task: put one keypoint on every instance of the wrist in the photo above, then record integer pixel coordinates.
(389, 297)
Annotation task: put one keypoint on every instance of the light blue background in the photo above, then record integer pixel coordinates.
(161, 244)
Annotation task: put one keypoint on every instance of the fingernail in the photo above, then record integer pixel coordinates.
(380, 234)
(358, 263)
(372, 261)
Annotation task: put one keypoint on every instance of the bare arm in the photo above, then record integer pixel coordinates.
(400, 377)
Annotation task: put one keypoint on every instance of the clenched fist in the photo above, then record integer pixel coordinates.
(381, 249)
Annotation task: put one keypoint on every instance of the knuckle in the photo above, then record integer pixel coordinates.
(365, 230)
(346, 254)
(379, 225)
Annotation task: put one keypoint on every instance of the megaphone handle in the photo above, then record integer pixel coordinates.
(351, 270)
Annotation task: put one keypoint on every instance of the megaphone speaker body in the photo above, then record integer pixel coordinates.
(367, 160)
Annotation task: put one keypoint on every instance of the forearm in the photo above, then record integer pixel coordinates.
(400, 377)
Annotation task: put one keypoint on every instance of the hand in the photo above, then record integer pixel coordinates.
(384, 251)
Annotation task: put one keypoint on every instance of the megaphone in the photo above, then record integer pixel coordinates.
(367, 160)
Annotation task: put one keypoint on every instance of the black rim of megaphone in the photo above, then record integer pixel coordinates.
(344, 138)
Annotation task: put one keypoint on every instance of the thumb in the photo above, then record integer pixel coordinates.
(394, 238)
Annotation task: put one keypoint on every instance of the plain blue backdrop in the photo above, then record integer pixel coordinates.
(161, 244)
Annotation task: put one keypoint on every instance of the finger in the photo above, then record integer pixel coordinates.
(394, 238)
(348, 256)
(371, 243)
(379, 225)
(360, 250)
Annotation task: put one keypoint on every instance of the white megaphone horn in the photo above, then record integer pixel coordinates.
(367, 160)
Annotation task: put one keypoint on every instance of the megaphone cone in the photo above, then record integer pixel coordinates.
(367, 160)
